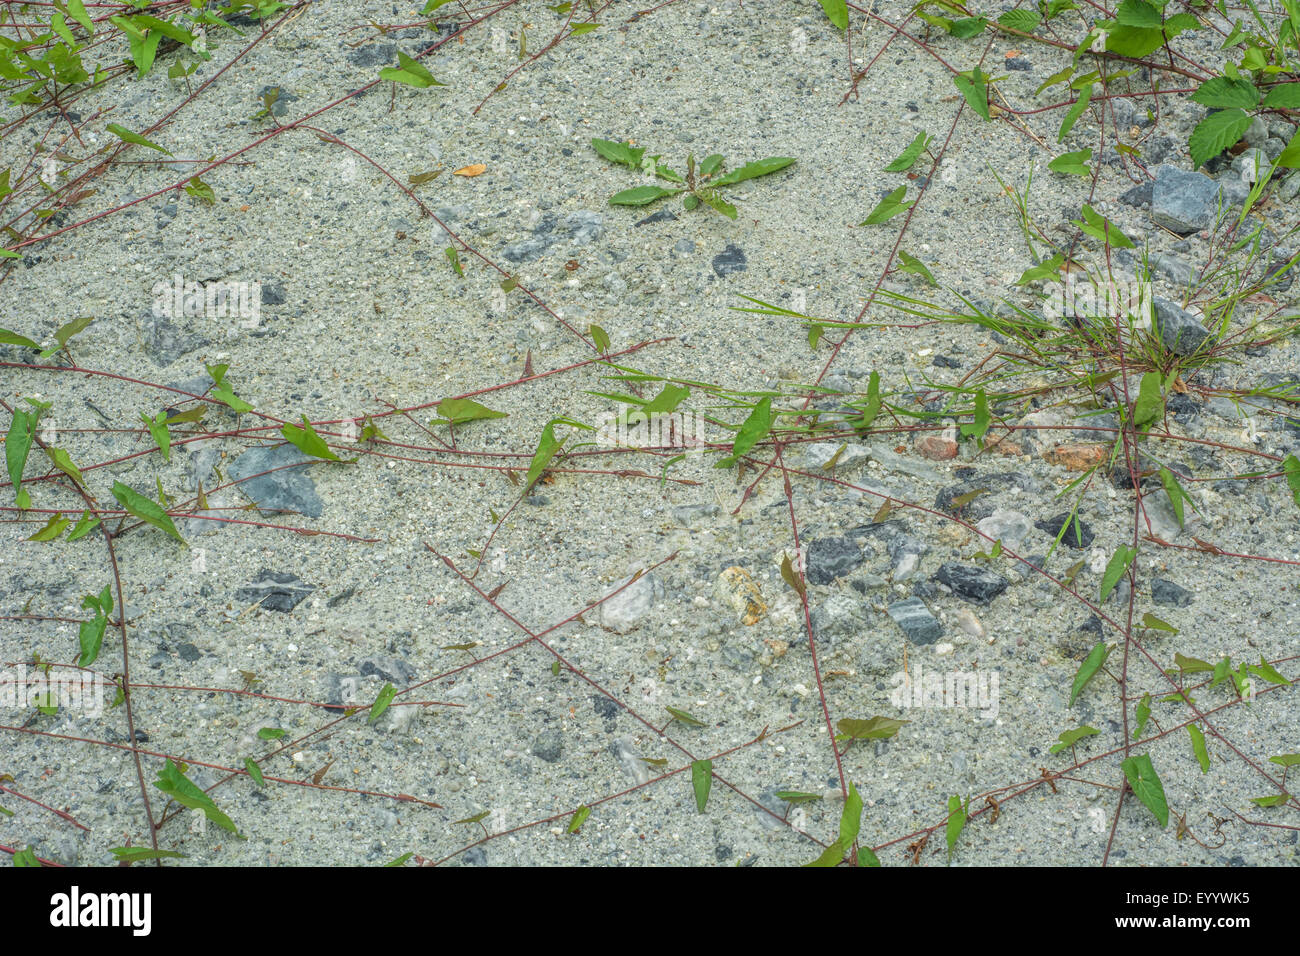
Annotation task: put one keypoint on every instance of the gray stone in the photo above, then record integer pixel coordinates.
(888, 458)
(819, 454)
(830, 558)
(1250, 165)
(1138, 196)
(729, 260)
(625, 610)
(916, 621)
(549, 746)
(165, 341)
(691, 516)
(1180, 331)
(1077, 533)
(1167, 594)
(526, 249)
(281, 482)
(375, 54)
(1184, 202)
(275, 591)
(584, 226)
(979, 585)
(1009, 527)
(392, 670)
(905, 554)
(1256, 132)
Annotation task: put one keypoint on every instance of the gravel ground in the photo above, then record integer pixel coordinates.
(361, 311)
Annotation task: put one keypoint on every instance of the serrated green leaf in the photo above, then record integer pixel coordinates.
(1221, 92)
(1283, 96)
(1023, 20)
(759, 167)
(1216, 133)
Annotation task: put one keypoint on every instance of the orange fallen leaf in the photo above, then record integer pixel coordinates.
(477, 169)
(1010, 53)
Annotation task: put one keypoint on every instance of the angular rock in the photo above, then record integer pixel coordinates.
(916, 621)
(165, 341)
(549, 746)
(830, 558)
(1077, 534)
(1009, 527)
(1186, 202)
(1180, 331)
(729, 260)
(979, 585)
(584, 226)
(275, 591)
(282, 483)
(625, 610)
(1167, 594)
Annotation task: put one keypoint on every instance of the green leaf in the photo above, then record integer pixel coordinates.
(124, 134)
(980, 426)
(1146, 786)
(759, 167)
(711, 164)
(77, 10)
(270, 733)
(173, 782)
(956, 821)
(916, 267)
(254, 771)
(1088, 669)
(13, 338)
(967, 27)
(63, 461)
(873, 728)
(888, 208)
(1216, 133)
(1069, 738)
(1047, 270)
(1138, 13)
(851, 817)
(1266, 670)
(546, 450)
(1150, 405)
(307, 441)
(85, 524)
(19, 442)
(600, 337)
(641, 195)
(837, 11)
(1143, 715)
(833, 855)
(1285, 760)
(623, 153)
(26, 857)
(91, 639)
(702, 782)
(684, 718)
(1072, 164)
(1290, 467)
(754, 430)
(1099, 227)
(1116, 568)
(1154, 623)
(1055, 78)
(381, 702)
(581, 28)
(1274, 801)
(158, 431)
(454, 258)
(1175, 492)
(1221, 92)
(1290, 157)
(974, 87)
(908, 157)
(1022, 20)
(411, 73)
(797, 796)
(579, 818)
(145, 509)
(52, 529)
(138, 854)
(714, 200)
(1283, 96)
(1198, 747)
(457, 411)
(1074, 112)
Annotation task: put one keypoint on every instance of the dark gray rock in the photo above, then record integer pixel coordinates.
(526, 249)
(1077, 535)
(916, 621)
(663, 215)
(1186, 202)
(549, 746)
(275, 591)
(729, 260)
(374, 54)
(1180, 331)
(285, 486)
(392, 670)
(165, 341)
(1167, 594)
(830, 558)
(979, 585)
(1138, 196)
(604, 706)
(584, 226)
(272, 292)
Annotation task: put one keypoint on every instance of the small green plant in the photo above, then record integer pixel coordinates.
(700, 184)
